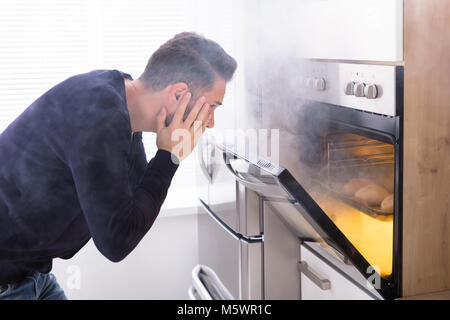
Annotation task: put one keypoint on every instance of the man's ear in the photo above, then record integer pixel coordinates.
(177, 90)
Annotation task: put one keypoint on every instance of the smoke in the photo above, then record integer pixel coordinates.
(273, 69)
(274, 100)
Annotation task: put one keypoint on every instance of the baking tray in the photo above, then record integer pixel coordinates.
(370, 210)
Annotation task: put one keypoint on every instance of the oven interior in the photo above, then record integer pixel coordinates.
(355, 187)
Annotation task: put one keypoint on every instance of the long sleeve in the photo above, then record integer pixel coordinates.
(117, 215)
(139, 159)
(71, 170)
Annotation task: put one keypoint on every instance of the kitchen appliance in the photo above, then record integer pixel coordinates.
(230, 234)
(336, 136)
(347, 124)
(337, 121)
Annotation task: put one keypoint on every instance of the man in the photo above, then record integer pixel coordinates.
(72, 165)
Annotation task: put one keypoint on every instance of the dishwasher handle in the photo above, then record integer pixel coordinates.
(323, 284)
(234, 234)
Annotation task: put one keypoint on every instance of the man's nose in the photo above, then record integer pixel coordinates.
(211, 121)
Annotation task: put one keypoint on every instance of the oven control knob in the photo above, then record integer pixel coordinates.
(349, 88)
(319, 84)
(358, 89)
(371, 91)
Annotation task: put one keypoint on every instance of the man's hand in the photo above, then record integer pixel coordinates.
(180, 137)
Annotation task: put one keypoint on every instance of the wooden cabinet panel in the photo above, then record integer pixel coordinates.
(426, 200)
(443, 295)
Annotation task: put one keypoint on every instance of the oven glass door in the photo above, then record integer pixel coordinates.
(312, 214)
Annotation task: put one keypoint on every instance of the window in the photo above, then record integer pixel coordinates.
(45, 42)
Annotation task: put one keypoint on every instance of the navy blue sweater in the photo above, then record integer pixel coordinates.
(71, 169)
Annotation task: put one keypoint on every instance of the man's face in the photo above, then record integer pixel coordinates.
(214, 98)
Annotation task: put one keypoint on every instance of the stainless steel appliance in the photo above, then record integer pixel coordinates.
(230, 235)
(340, 130)
(336, 137)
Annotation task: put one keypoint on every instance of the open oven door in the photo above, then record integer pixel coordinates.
(303, 215)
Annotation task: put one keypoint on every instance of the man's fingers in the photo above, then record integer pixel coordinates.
(204, 113)
(178, 116)
(160, 119)
(194, 112)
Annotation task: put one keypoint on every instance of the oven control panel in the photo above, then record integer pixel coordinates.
(364, 87)
(361, 89)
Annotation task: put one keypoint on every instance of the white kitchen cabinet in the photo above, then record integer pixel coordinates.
(327, 278)
(369, 30)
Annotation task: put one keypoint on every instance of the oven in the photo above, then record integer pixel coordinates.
(336, 176)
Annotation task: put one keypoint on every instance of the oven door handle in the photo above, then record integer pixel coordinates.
(234, 234)
(236, 175)
(250, 184)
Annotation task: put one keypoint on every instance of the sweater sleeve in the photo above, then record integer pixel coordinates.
(139, 163)
(118, 215)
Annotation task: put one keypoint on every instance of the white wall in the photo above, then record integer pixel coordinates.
(159, 268)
